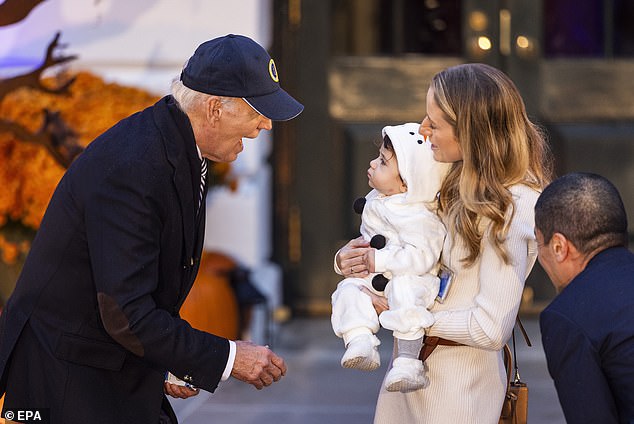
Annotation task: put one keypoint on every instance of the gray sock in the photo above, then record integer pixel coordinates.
(409, 348)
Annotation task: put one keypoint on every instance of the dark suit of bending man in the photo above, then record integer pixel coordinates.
(588, 329)
(92, 326)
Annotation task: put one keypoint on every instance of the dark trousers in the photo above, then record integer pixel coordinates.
(167, 415)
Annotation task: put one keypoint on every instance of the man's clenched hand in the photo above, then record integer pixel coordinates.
(257, 365)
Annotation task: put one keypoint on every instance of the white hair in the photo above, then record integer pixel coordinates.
(189, 99)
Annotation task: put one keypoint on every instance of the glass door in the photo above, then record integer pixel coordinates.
(361, 64)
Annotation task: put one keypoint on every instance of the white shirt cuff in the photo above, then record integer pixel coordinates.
(230, 361)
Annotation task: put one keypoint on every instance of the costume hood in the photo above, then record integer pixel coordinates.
(416, 165)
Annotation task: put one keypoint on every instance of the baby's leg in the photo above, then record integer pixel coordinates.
(408, 317)
(355, 320)
(409, 348)
(352, 310)
(408, 297)
(408, 372)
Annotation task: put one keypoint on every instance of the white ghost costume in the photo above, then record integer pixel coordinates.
(414, 240)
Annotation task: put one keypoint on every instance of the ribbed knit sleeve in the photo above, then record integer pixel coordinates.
(484, 299)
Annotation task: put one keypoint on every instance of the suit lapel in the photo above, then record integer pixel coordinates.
(175, 148)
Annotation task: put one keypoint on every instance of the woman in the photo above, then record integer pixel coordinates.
(476, 120)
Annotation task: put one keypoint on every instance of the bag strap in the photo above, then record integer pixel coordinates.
(516, 374)
(508, 365)
(523, 330)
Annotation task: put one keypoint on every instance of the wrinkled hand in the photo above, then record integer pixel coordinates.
(177, 391)
(257, 365)
(351, 258)
(379, 302)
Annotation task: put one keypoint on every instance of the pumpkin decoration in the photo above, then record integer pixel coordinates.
(211, 305)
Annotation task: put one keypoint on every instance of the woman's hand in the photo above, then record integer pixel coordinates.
(369, 260)
(351, 258)
(379, 302)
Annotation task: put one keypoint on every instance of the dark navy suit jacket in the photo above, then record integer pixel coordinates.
(588, 337)
(93, 324)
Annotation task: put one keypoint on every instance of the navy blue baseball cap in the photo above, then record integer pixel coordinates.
(237, 66)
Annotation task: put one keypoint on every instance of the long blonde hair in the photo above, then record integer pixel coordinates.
(500, 147)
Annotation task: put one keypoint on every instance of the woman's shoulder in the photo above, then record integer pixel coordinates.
(524, 199)
(522, 189)
(524, 194)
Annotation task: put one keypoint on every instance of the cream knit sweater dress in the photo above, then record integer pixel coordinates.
(467, 383)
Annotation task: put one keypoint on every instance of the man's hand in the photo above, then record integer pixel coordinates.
(178, 391)
(257, 365)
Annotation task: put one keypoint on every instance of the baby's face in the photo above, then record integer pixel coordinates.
(383, 174)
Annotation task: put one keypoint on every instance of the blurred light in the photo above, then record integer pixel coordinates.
(439, 24)
(484, 43)
(526, 47)
(505, 32)
(523, 42)
(478, 21)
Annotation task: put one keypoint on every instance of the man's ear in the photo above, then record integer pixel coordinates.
(559, 246)
(214, 109)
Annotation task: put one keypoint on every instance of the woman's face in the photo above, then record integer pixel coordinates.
(440, 132)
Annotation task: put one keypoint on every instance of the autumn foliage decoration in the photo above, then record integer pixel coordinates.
(29, 173)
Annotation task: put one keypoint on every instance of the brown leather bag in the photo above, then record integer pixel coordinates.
(515, 406)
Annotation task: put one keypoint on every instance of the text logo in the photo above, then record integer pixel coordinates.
(27, 415)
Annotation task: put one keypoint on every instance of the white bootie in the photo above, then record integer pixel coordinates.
(362, 353)
(406, 375)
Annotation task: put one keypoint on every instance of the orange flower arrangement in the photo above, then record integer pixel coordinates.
(29, 174)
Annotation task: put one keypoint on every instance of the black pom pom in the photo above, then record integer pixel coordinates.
(379, 282)
(378, 241)
(358, 205)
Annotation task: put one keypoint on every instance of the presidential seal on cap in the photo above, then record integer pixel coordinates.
(237, 66)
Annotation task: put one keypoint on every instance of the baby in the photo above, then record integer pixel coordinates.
(399, 220)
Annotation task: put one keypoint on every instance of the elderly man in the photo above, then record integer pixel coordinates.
(588, 329)
(92, 327)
